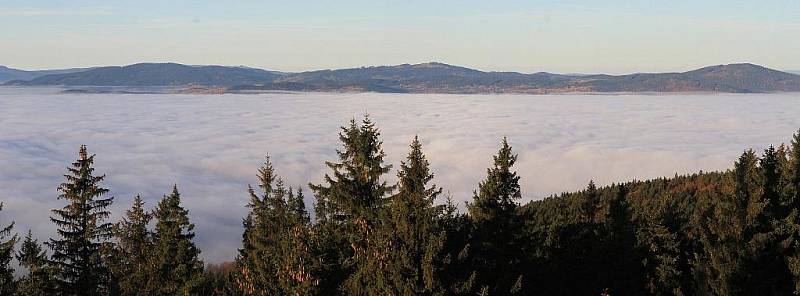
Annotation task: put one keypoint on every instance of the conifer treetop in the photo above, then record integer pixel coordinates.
(497, 194)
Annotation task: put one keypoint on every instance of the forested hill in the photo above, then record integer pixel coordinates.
(721, 233)
(9, 74)
(427, 78)
(156, 74)
(442, 78)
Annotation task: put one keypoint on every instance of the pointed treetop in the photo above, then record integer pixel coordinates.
(82, 229)
(138, 203)
(414, 173)
(496, 194)
(591, 188)
(355, 181)
(266, 175)
(82, 152)
(6, 230)
(505, 158)
(796, 138)
(30, 251)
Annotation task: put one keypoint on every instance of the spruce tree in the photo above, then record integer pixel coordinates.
(77, 252)
(736, 216)
(245, 275)
(792, 221)
(794, 171)
(297, 208)
(785, 188)
(456, 275)
(7, 241)
(763, 267)
(134, 244)
(496, 226)
(176, 268)
(298, 273)
(589, 204)
(772, 177)
(495, 199)
(622, 273)
(277, 256)
(662, 271)
(351, 200)
(576, 246)
(417, 239)
(749, 193)
(39, 279)
(766, 267)
(257, 260)
(331, 245)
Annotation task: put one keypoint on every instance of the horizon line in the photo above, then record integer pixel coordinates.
(791, 71)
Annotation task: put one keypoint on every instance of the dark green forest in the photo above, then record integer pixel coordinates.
(735, 232)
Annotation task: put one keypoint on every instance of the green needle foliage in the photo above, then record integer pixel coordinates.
(351, 202)
(496, 227)
(416, 238)
(77, 251)
(176, 268)
(39, 279)
(7, 241)
(277, 255)
(134, 246)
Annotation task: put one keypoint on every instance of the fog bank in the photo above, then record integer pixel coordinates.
(212, 145)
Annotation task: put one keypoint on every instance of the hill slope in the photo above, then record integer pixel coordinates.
(442, 78)
(9, 74)
(428, 78)
(421, 78)
(157, 74)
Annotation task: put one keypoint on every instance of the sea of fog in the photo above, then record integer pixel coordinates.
(211, 145)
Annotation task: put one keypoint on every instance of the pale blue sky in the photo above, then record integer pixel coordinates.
(526, 36)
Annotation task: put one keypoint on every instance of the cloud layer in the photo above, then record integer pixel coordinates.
(211, 145)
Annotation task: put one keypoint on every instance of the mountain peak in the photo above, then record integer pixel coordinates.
(733, 67)
(158, 74)
(168, 64)
(434, 65)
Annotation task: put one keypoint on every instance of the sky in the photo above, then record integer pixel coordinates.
(612, 37)
(212, 145)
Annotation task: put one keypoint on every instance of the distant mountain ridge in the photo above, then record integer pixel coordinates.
(426, 78)
(156, 74)
(9, 74)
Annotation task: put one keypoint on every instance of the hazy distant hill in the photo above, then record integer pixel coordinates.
(157, 74)
(442, 78)
(722, 78)
(420, 78)
(9, 74)
(428, 78)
